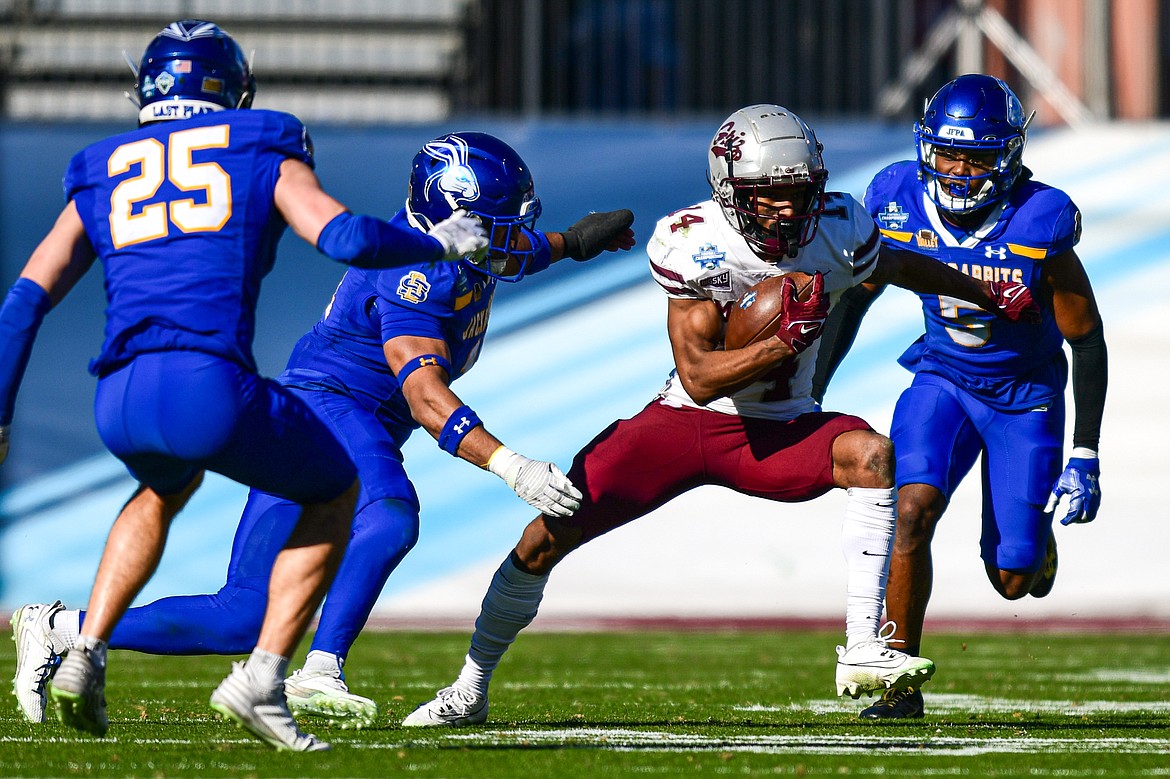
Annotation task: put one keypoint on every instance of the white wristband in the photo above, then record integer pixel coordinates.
(1084, 453)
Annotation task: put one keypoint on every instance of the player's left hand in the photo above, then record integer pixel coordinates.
(599, 232)
(1013, 302)
(462, 235)
(1080, 481)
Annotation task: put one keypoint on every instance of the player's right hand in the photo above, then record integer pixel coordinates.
(1013, 301)
(802, 320)
(540, 484)
(462, 235)
(4, 442)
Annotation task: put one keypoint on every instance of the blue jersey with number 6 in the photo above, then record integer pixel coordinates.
(183, 218)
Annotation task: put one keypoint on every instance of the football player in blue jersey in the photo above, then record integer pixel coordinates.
(375, 368)
(185, 214)
(983, 385)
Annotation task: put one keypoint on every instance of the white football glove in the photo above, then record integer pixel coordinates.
(461, 235)
(540, 484)
(4, 442)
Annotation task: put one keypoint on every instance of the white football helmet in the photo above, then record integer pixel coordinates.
(764, 146)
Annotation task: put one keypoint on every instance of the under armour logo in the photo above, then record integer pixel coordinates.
(995, 252)
(463, 426)
(425, 361)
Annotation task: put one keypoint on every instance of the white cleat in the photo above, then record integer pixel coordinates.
(871, 666)
(38, 653)
(263, 714)
(78, 692)
(452, 707)
(324, 694)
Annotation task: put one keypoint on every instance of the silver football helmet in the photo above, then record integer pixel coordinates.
(758, 148)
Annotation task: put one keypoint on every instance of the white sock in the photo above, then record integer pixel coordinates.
(96, 647)
(509, 606)
(867, 541)
(266, 669)
(320, 661)
(67, 626)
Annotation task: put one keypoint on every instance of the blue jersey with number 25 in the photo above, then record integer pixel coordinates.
(1008, 365)
(182, 216)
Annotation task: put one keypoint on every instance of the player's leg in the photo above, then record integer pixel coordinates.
(632, 467)
(385, 529)
(383, 533)
(129, 417)
(1023, 462)
(936, 445)
(226, 622)
(863, 464)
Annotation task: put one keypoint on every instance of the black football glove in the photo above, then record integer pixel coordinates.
(598, 232)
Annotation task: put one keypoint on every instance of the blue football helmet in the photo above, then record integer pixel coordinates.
(190, 68)
(487, 178)
(975, 114)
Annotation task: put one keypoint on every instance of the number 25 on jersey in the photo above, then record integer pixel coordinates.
(157, 163)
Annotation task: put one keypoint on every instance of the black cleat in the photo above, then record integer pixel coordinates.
(1043, 585)
(896, 704)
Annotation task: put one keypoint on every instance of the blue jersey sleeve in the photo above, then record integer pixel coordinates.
(396, 321)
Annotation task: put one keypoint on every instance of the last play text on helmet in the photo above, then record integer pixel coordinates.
(190, 68)
(484, 176)
(973, 114)
(756, 149)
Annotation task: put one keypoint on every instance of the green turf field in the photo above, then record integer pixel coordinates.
(656, 704)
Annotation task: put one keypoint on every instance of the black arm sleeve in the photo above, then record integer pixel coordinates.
(840, 331)
(1090, 377)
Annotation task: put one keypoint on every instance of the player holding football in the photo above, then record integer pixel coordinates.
(983, 385)
(185, 214)
(739, 418)
(375, 368)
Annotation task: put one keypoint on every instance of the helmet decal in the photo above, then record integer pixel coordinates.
(198, 29)
(727, 143)
(452, 177)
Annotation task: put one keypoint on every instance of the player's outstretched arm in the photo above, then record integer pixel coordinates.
(1075, 309)
(366, 241)
(423, 369)
(55, 266)
(912, 271)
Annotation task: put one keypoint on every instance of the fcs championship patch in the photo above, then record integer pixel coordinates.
(414, 287)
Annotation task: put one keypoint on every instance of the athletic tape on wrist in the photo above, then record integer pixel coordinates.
(422, 361)
(461, 422)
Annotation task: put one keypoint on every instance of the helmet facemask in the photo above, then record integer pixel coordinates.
(511, 245)
(749, 206)
(965, 194)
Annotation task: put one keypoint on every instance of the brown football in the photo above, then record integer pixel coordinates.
(756, 315)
